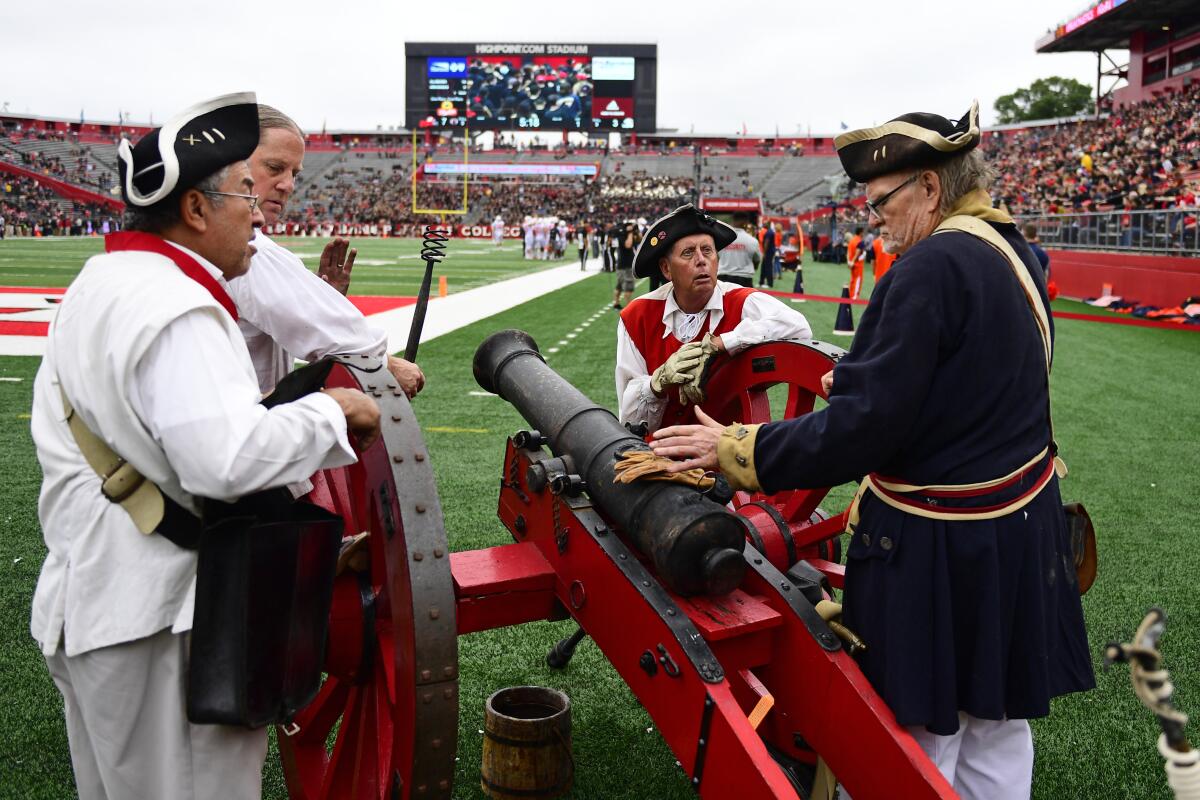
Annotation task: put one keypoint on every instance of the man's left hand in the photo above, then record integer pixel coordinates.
(336, 264)
(410, 376)
(692, 391)
(696, 444)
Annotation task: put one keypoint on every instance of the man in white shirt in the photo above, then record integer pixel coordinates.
(740, 260)
(287, 312)
(665, 337)
(146, 351)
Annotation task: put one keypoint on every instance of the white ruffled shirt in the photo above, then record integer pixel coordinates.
(764, 319)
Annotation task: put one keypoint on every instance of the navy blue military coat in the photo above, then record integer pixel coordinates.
(945, 384)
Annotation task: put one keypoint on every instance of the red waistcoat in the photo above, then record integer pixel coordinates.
(643, 320)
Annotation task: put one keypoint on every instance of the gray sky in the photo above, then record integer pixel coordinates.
(797, 65)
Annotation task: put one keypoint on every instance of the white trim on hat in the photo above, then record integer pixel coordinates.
(945, 144)
(166, 148)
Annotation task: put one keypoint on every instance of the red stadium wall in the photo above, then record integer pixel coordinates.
(1151, 280)
(67, 190)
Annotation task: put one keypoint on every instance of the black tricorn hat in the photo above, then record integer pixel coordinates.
(662, 233)
(910, 141)
(192, 145)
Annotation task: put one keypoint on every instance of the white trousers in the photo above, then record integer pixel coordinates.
(984, 760)
(129, 734)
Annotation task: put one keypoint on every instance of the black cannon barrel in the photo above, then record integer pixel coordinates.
(695, 544)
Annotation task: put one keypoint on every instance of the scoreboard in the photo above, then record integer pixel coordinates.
(531, 86)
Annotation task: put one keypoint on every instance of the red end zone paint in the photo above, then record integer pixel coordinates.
(375, 304)
(11, 323)
(8, 328)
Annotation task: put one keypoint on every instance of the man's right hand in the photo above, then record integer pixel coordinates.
(409, 375)
(362, 414)
(336, 264)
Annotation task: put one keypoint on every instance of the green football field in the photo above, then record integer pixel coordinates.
(381, 267)
(1127, 417)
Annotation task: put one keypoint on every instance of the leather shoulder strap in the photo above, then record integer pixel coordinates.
(982, 230)
(119, 481)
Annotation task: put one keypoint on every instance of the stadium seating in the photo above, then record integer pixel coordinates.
(1137, 158)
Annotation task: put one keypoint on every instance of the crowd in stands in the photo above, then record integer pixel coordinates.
(78, 167)
(1146, 156)
(735, 184)
(371, 197)
(30, 209)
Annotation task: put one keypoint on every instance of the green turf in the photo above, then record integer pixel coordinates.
(1126, 415)
(382, 266)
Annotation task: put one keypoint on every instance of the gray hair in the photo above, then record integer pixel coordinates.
(271, 117)
(962, 175)
(162, 215)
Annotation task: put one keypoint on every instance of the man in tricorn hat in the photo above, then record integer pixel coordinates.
(665, 338)
(146, 403)
(958, 574)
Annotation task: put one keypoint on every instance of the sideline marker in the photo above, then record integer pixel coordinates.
(844, 324)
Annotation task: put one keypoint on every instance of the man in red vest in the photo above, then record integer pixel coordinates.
(665, 337)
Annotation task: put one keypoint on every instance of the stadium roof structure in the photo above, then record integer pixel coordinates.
(1108, 24)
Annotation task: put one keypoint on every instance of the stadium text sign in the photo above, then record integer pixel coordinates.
(532, 49)
(1092, 14)
(485, 231)
(454, 168)
(731, 204)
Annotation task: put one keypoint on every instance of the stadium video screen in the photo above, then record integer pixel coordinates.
(576, 87)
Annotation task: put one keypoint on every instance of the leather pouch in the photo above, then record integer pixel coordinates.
(1082, 536)
(263, 591)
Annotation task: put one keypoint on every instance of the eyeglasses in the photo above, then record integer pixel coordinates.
(876, 206)
(253, 198)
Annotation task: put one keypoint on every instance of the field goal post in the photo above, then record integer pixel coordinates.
(466, 177)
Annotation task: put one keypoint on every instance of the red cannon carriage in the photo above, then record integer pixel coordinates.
(706, 611)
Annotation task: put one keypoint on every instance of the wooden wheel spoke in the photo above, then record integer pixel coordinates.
(317, 719)
(352, 767)
(800, 400)
(756, 406)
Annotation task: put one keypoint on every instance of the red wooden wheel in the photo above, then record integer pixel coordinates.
(385, 722)
(790, 525)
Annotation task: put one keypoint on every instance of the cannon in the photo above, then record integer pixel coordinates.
(695, 544)
(706, 612)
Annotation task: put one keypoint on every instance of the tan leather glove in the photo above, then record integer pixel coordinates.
(644, 465)
(677, 369)
(692, 391)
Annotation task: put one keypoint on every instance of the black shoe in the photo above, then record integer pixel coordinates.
(617, 306)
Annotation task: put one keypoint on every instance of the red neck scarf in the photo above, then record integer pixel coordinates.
(136, 240)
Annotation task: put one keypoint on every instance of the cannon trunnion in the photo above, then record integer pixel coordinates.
(691, 602)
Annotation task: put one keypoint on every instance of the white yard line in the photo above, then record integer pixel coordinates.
(445, 314)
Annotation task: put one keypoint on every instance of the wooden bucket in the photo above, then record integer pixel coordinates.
(527, 744)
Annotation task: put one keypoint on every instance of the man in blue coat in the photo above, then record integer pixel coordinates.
(959, 572)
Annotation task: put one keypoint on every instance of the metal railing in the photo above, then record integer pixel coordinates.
(1167, 232)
